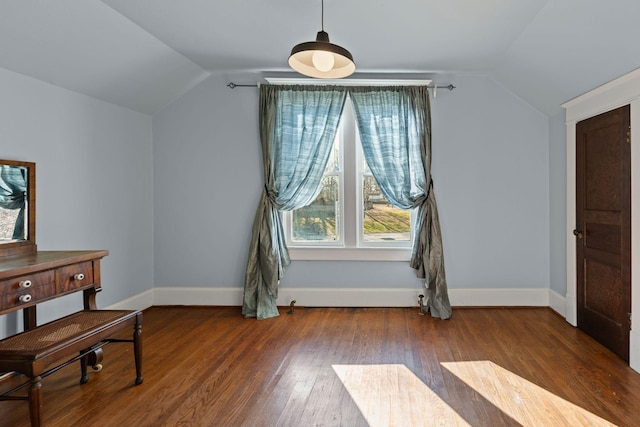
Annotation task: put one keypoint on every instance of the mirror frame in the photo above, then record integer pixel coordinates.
(27, 246)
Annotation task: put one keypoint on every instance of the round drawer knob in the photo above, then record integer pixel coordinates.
(78, 276)
(25, 283)
(25, 298)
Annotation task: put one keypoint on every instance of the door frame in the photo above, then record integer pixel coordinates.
(617, 93)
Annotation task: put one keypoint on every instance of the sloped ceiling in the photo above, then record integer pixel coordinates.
(86, 46)
(142, 54)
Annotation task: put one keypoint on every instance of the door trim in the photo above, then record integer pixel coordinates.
(622, 91)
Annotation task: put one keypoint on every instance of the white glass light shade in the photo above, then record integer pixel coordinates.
(302, 59)
(322, 60)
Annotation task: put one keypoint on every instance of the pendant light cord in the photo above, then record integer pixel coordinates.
(322, 15)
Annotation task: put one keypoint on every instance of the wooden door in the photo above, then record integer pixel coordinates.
(603, 228)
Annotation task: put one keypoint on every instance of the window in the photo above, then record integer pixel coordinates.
(350, 218)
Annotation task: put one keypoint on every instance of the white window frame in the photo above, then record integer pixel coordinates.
(350, 245)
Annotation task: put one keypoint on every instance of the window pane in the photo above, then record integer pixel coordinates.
(333, 165)
(382, 221)
(320, 220)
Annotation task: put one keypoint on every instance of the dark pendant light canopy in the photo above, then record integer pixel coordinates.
(322, 59)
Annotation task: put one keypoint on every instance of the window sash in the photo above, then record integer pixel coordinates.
(288, 218)
(350, 243)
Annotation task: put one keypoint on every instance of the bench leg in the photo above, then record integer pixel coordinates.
(35, 401)
(93, 359)
(83, 370)
(137, 348)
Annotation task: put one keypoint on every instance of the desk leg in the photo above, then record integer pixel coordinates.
(89, 297)
(35, 401)
(29, 318)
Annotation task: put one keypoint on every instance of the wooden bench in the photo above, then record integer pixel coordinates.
(80, 336)
(37, 276)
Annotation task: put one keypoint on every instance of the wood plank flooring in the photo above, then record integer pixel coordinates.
(348, 367)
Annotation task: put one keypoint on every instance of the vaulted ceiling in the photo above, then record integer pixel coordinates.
(142, 54)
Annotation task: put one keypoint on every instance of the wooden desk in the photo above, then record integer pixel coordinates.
(27, 280)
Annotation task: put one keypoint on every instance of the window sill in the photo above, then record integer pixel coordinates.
(349, 254)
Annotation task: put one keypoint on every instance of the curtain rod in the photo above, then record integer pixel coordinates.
(232, 85)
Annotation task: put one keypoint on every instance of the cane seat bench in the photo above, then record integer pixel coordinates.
(37, 352)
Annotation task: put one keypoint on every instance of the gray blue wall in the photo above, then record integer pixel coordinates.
(94, 180)
(557, 201)
(491, 173)
(173, 197)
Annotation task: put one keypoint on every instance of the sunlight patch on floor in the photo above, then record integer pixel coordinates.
(392, 395)
(525, 402)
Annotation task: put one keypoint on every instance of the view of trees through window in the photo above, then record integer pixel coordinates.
(347, 177)
(382, 220)
(320, 221)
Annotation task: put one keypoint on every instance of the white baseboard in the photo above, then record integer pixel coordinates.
(137, 302)
(557, 302)
(355, 297)
(634, 359)
(309, 297)
(349, 297)
(197, 296)
(499, 297)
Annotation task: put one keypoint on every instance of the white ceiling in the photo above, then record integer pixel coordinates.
(142, 54)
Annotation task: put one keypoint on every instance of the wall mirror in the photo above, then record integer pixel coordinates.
(17, 207)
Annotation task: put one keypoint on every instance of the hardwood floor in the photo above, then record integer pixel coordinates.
(348, 367)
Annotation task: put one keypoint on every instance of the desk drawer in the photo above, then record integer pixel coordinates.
(26, 297)
(31, 288)
(75, 276)
(29, 281)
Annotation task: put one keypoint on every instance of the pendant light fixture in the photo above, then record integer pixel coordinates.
(322, 59)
